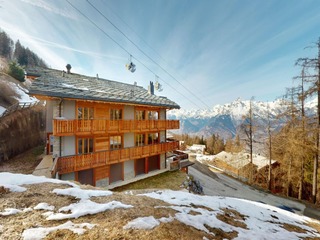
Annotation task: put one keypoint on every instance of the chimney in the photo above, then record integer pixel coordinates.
(151, 88)
(68, 68)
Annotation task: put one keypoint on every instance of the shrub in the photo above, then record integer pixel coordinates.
(16, 71)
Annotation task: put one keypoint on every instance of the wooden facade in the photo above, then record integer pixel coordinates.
(64, 127)
(80, 162)
(101, 131)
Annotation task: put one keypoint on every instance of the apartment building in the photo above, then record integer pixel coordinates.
(102, 132)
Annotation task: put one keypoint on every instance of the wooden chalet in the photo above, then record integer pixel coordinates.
(102, 132)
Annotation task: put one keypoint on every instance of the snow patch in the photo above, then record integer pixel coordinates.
(82, 193)
(12, 181)
(142, 223)
(10, 211)
(256, 216)
(85, 207)
(2, 110)
(23, 93)
(44, 206)
(41, 232)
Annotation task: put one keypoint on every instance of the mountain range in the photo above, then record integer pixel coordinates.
(226, 119)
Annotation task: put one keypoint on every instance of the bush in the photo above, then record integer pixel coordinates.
(16, 71)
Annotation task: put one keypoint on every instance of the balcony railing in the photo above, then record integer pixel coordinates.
(63, 127)
(74, 163)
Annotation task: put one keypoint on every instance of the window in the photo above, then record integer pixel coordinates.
(115, 142)
(139, 139)
(115, 114)
(153, 138)
(85, 145)
(85, 113)
(140, 115)
(152, 115)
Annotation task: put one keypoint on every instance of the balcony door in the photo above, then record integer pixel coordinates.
(85, 114)
(115, 117)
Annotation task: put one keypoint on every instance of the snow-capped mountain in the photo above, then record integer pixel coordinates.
(226, 119)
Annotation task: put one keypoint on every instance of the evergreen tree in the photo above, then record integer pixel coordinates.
(6, 45)
(20, 54)
(16, 71)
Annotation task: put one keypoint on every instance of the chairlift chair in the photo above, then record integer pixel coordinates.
(157, 85)
(130, 65)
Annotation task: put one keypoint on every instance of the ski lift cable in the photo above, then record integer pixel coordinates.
(192, 93)
(169, 84)
(97, 26)
(105, 33)
(129, 27)
(138, 35)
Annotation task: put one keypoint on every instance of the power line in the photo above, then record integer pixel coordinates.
(105, 33)
(128, 26)
(145, 53)
(139, 36)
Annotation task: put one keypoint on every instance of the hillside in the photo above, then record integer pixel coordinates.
(13, 91)
(226, 119)
(22, 119)
(39, 208)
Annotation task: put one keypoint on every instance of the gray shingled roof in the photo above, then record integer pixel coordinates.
(55, 83)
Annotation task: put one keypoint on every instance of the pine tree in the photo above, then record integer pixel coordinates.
(6, 45)
(16, 71)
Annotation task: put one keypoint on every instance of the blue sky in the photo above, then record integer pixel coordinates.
(213, 52)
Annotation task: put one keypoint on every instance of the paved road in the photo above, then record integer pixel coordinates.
(218, 184)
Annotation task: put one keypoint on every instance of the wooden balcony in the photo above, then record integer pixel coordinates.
(74, 163)
(62, 127)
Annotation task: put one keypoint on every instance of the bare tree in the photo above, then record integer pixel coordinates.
(269, 148)
(314, 79)
(248, 129)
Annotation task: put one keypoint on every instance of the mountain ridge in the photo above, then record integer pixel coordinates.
(226, 119)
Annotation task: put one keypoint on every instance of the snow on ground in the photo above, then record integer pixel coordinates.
(252, 220)
(23, 93)
(81, 193)
(12, 181)
(10, 211)
(85, 207)
(201, 157)
(44, 206)
(147, 222)
(41, 232)
(236, 160)
(2, 110)
(142, 223)
(256, 216)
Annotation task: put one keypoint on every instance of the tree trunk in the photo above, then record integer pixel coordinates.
(270, 165)
(289, 177)
(316, 159)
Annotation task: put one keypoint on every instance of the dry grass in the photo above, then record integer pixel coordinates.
(7, 96)
(109, 224)
(23, 163)
(232, 217)
(167, 180)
